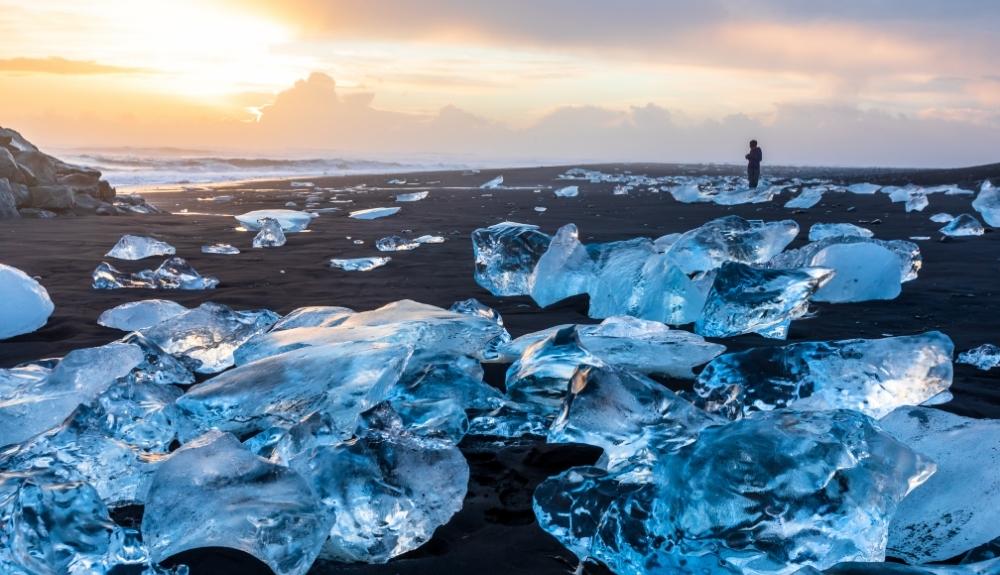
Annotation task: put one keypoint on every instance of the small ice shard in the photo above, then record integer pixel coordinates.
(25, 305)
(428, 239)
(567, 192)
(807, 198)
(916, 202)
(302, 184)
(862, 272)
(33, 401)
(635, 344)
(222, 249)
(396, 244)
(270, 234)
(131, 247)
(386, 491)
(136, 315)
(492, 184)
(564, 270)
(540, 209)
(908, 252)
(506, 255)
(396, 182)
(987, 203)
(730, 239)
(823, 231)
(373, 213)
(412, 197)
(942, 218)
(340, 380)
(984, 357)
(289, 220)
(873, 376)
(955, 510)
(212, 492)
(291, 205)
(208, 334)
(764, 301)
(173, 273)
(863, 188)
(476, 308)
(963, 225)
(313, 316)
(359, 264)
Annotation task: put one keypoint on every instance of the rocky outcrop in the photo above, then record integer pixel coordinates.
(35, 184)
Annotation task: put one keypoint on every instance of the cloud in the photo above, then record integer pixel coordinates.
(54, 65)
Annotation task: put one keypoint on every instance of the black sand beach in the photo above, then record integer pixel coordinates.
(957, 293)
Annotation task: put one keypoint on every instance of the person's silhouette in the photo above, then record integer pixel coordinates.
(753, 163)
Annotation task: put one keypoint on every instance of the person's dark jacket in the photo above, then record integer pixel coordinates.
(755, 157)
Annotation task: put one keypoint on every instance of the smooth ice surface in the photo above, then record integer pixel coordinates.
(493, 184)
(131, 247)
(212, 492)
(270, 234)
(917, 203)
(942, 218)
(208, 334)
(24, 304)
(730, 239)
(985, 357)
(910, 260)
(341, 380)
(807, 198)
(288, 220)
(956, 509)
(411, 197)
(313, 316)
(474, 307)
(764, 301)
(373, 213)
(220, 248)
(564, 270)
(567, 192)
(987, 203)
(635, 344)
(873, 376)
(429, 239)
(173, 273)
(963, 225)
(136, 315)
(862, 272)
(158, 366)
(32, 401)
(359, 264)
(823, 231)
(396, 244)
(505, 255)
(863, 188)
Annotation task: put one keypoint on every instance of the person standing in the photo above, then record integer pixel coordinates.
(753, 163)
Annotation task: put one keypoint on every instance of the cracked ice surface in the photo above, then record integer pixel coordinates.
(173, 273)
(270, 234)
(984, 357)
(136, 315)
(506, 254)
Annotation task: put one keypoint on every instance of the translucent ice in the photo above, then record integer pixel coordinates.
(131, 247)
(863, 188)
(212, 492)
(568, 192)
(208, 334)
(373, 213)
(985, 357)
(823, 231)
(288, 220)
(807, 198)
(956, 509)
(873, 376)
(313, 316)
(24, 304)
(395, 244)
(764, 301)
(506, 255)
(942, 218)
(730, 239)
(136, 315)
(963, 225)
(222, 249)
(173, 273)
(916, 202)
(565, 269)
(429, 239)
(158, 366)
(270, 234)
(474, 307)
(359, 264)
(909, 254)
(493, 184)
(987, 203)
(862, 272)
(411, 197)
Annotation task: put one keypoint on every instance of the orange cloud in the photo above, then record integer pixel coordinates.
(54, 65)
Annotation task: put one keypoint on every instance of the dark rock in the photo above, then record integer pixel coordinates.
(86, 203)
(52, 197)
(8, 167)
(106, 210)
(105, 191)
(36, 213)
(41, 165)
(26, 176)
(81, 179)
(21, 195)
(8, 203)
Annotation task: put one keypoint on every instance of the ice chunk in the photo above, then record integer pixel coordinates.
(220, 249)
(313, 316)
(158, 366)
(916, 203)
(620, 283)
(908, 252)
(289, 220)
(131, 247)
(963, 225)
(24, 304)
(634, 344)
(730, 239)
(32, 401)
(173, 273)
(764, 301)
(359, 264)
(506, 255)
(873, 376)
(212, 492)
(956, 509)
(985, 357)
(209, 333)
(942, 218)
(564, 270)
(863, 188)
(270, 234)
(987, 203)
(568, 192)
(396, 244)
(341, 380)
(823, 231)
(411, 197)
(493, 184)
(474, 307)
(429, 239)
(862, 272)
(136, 315)
(373, 213)
(807, 198)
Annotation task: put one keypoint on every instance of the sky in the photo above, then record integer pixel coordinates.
(847, 82)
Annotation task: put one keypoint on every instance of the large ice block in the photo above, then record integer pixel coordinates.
(730, 239)
(131, 247)
(506, 254)
(910, 260)
(564, 270)
(823, 231)
(24, 304)
(987, 203)
(313, 316)
(136, 315)
(963, 225)
(173, 273)
(289, 220)
(862, 272)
